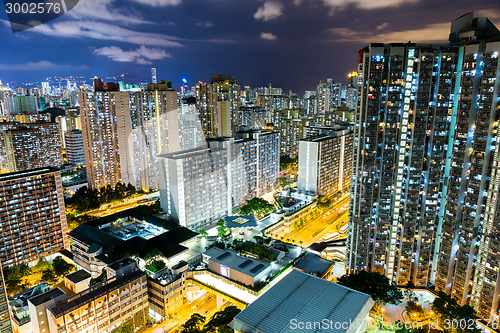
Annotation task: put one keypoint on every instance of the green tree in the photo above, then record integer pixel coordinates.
(203, 233)
(447, 308)
(221, 319)
(414, 308)
(61, 267)
(126, 327)
(152, 255)
(49, 276)
(193, 324)
(221, 229)
(42, 264)
(374, 284)
(99, 279)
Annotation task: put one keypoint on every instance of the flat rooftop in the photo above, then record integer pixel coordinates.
(311, 263)
(27, 173)
(304, 298)
(78, 276)
(40, 299)
(93, 293)
(233, 260)
(149, 233)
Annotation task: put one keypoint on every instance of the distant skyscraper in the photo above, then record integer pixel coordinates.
(75, 151)
(325, 161)
(201, 185)
(124, 131)
(33, 216)
(153, 75)
(22, 104)
(216, 103)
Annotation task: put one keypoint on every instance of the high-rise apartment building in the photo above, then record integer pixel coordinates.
(75, 151)
(291, 132)
(327, 97)
(33, 216)
(216, 103)
(22, 104)
(33, 145)
(468, 260)
(201, 185)
(325, 162)
(405, 96)
(125, 130)
(423, 205)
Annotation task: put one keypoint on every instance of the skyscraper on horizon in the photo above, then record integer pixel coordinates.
(216, 103)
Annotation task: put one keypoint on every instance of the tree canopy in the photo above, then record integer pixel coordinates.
(447, 308)
(374, 284)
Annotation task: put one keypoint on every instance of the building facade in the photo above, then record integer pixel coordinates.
(33, 216)
(75, 151)
(468, 256)
(405, 98)
(216, 103)
(423, 205)
(201, 185)
(103, 307)
(33, 145)
(325, 162)
(124, 131)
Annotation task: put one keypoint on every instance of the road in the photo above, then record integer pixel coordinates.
(124, 206)
(206, 305)
(326, 221)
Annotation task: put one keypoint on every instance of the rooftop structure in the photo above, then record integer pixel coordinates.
(105, 240)
(315, 265)
(303, 298)
(236, 267)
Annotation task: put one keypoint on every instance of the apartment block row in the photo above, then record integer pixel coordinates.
(202, 185)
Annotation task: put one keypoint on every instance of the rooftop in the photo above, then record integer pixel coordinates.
(231, 259)
(305, 298)
(93, 293)
(311, 263)
(96, 234)
(27, 173)
(51, 294)
(78, 276)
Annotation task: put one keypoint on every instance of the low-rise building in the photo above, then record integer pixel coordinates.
(100, 242)
(246, 270)
(77, 281)
(103, 307)
(303, 302)
(315, 265)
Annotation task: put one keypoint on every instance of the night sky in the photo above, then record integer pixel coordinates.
(290, 43)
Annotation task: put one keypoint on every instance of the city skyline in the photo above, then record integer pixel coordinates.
(310, 40)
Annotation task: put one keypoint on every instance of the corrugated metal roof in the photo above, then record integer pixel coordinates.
(305, 298)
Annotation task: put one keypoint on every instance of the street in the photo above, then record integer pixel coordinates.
(316, 228)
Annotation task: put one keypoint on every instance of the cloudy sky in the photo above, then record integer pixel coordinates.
(290, 43)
